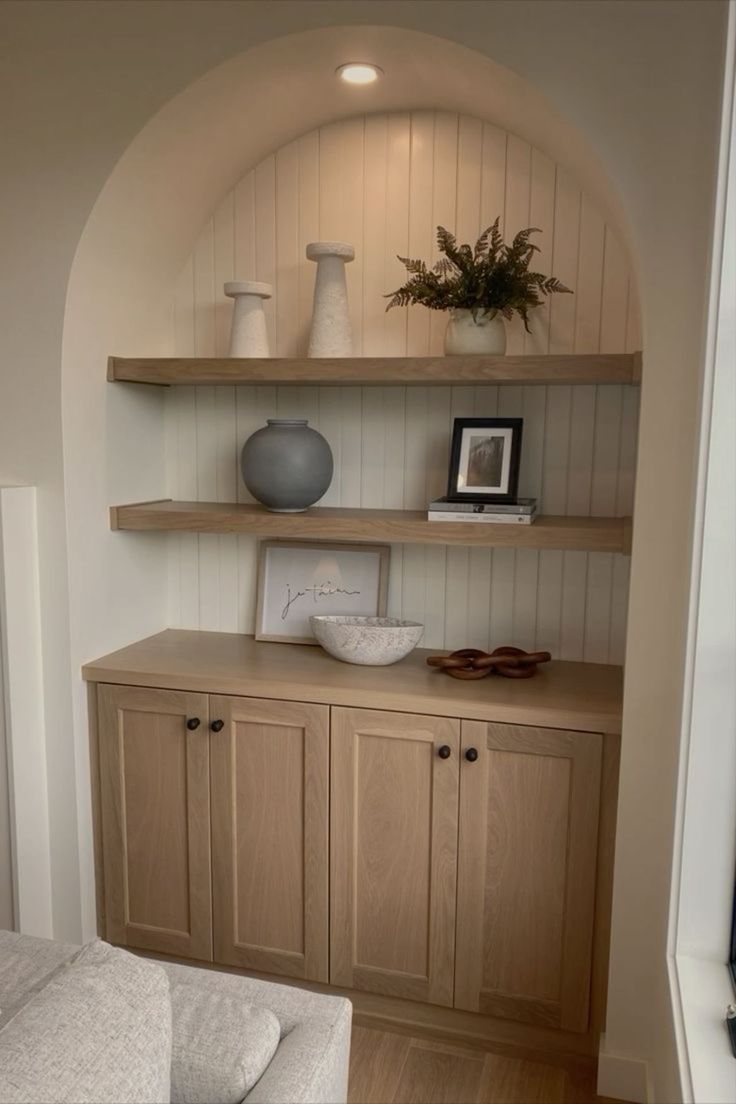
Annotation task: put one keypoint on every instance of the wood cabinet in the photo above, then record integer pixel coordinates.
(527, 873)
(437, 866)
(270, 764)
(155, 806)
(394, 796)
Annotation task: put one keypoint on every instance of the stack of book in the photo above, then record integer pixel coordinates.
(521, 512)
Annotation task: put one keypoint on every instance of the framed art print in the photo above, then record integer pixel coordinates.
(484, 462)
(299, 578)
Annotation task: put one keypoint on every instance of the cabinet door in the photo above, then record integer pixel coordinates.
(393, 853)
(270, 767)
(155, 803)
(526, 878)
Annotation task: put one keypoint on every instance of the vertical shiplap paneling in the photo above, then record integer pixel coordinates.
(493, 176)
(244, 233)
(341, 219)
(182, 478)
(265, 238)
(287, 264)
(444, 204)
(436, 438)
(372, 248)
(206, 424)
(468, 184)
(308, 202)
(384, 183)
(226, 417)
(420, 227)
(541, 216)
(394, 324)
(516, 218)
(399, 207)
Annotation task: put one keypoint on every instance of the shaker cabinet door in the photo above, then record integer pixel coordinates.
(527, 873)
(155, 805)
(394, 787)
(270, 770)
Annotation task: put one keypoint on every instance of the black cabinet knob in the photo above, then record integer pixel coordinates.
(193, 723)
(471, 754)
(445, 751)
(217, 726)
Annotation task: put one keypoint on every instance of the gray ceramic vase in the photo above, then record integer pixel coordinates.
(286, 465)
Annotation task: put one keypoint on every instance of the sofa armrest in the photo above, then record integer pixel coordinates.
(310, 1066)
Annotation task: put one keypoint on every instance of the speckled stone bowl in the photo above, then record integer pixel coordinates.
(371, 641)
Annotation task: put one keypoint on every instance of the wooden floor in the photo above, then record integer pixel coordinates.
(387, 1068)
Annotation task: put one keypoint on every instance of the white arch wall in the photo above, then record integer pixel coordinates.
(383, 182)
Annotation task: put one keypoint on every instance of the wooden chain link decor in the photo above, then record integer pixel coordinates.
(471, 663)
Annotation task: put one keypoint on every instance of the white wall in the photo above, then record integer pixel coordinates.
(7, 914)
(638, 82)
(24, 718)
(384, 182)
(705, 852)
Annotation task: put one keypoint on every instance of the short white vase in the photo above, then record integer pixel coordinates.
(484, 334)
(331, 334)
(248, 334)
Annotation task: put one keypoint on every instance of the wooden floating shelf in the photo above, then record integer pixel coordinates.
(380, 371)
(587, 534)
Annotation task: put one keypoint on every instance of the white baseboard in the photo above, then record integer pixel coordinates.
(623, 1078)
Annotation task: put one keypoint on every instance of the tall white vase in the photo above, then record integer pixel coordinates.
(331, 334)
(248, 334)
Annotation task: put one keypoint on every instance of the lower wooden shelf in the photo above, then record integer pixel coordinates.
(587, 534)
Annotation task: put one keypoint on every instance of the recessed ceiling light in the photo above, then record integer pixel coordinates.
(359, 72)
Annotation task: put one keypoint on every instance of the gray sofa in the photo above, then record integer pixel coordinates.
(307, 1062)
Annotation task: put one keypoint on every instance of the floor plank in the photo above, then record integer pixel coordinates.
(376, 1061)
(437, 1076)
(511, 1080)
(581, 1089)
(392, 1068)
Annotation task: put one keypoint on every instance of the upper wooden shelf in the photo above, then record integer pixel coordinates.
(581, 696)
(380, 371)
(587, 534)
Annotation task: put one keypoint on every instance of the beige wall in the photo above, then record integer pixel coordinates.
(640, 81)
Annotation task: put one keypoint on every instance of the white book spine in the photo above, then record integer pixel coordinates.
(466, 508)
(492, 519)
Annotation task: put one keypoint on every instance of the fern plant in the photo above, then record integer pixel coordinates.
(491, 276)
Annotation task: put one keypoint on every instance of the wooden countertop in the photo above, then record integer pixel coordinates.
(584, 697)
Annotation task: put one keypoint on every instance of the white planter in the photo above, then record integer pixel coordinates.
(484, 334)
(331, 334)
(248, 334)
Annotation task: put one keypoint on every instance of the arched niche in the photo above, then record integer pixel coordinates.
(126, 443)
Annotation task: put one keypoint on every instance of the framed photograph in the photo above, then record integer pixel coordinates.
(484, 462)
(297, 579)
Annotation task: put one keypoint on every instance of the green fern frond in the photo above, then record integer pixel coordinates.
(488, 276)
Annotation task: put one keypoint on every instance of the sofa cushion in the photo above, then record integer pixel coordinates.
(98, 1033)
(26, 964)
(221, 1045)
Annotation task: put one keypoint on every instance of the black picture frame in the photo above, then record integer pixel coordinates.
(460, 427)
